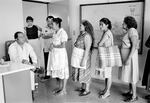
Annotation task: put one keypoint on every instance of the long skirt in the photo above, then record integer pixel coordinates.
(58, 63)
(129, 73)
(37, 46)
(82, 75)
(146, 75)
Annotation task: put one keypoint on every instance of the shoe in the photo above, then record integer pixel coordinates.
(101, 92)
(61, 93)
(147, 97)
(55, 91)
(131, 99)
(127, 94)
(42, 79)
(84, 93)
(80, 89)
(103, 96)
(46, 77)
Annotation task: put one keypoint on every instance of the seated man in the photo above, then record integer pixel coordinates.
(20, 51)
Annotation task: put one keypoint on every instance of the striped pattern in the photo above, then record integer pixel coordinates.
(109, 56)
(82, 75)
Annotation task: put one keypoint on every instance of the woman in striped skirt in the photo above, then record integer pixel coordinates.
(81, 58)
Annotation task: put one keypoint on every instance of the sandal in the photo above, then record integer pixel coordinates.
(147, 97)
(127, 94)
(131, 99)
(80, 89)
(101, 92)
(103, 96)
(61, 93)
(84, 93)
(55, 91)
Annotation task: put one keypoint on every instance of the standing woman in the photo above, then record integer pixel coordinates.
(129, 52)
(33, 35)
(83, 43)
(58, 65)
(106, 41)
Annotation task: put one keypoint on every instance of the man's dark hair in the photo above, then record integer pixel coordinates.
(16, 34)
(49, 17)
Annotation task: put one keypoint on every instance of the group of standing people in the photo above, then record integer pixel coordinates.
(56, 59)
(129, 53)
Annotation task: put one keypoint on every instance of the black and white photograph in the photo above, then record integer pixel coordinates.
(74, 51)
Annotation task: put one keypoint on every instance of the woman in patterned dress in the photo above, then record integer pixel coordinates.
(129, 51)
(58, 61)
(84, 42)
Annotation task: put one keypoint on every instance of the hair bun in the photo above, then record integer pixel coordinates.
(59, 19)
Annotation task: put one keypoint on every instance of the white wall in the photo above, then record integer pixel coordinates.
(60, 8)
(74, 27)
(37, 10)
(11, 20)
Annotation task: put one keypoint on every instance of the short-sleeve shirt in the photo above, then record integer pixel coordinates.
(60, 36)
(80, 41)
(126, 43)
(47, 42)
(109, 39)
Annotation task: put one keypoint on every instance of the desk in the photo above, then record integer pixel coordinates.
(15, 85)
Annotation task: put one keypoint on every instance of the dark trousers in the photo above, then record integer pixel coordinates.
(46, 61)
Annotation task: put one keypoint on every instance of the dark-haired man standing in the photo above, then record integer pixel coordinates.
(47, 35)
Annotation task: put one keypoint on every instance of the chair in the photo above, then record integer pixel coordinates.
(7, 44)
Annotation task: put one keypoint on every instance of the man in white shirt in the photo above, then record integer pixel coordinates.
(47, 36)
(20, 51)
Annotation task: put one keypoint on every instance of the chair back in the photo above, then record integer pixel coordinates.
(7, 44)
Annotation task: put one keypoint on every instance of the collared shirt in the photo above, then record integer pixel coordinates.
(18, 53)
(47, 42)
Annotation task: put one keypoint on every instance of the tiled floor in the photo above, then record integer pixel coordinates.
(44, 93)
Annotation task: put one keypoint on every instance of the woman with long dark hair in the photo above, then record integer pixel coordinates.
(81, 57)
(106, 41)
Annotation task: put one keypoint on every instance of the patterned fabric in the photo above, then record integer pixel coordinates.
(78, 74)
(109, 56)
(46, 42)
(80, 41)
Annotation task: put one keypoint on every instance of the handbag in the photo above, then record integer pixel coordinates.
(147, 43)
(109, 56)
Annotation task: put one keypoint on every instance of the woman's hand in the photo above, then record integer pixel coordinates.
(82, 64)
(41, 35)
(98, 44)
(127, 62)
(50, 47)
